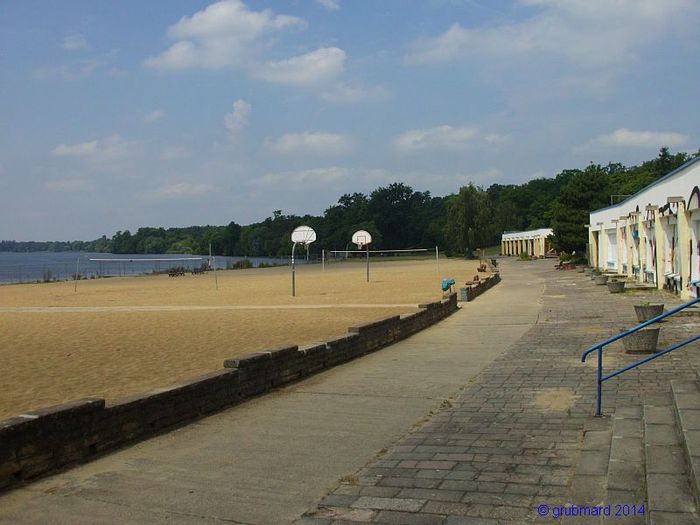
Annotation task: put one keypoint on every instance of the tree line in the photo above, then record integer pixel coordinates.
(400, 217)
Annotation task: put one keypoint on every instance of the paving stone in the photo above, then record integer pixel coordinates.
(406, 518)
(670, 493)
(511, 500)
(372, 502)
(673, 518)
(409, 482)
(593, 462)
(470, 520)
(687, 400)
(628, 428)
(659, 415)
(627, 449)
(338, 500)
(588, 490)
(624, 474)
(428, 494)
(629, 412)
(660, 435)
(451, 508)
(690, 419)
(306, 520)
(662, 459)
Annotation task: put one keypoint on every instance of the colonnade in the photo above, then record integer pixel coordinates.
(534, 243)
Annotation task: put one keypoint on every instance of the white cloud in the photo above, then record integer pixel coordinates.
(313, 142)
(238, 118)
(223, 34)
(438, 138)
(627, 138)
(74, 41)
(302, 179)
(331, 5)
(303, 70)
(180, 190)
(351, 94)
(99, 150)
(584, 33)
(83, 149)
(154, 116)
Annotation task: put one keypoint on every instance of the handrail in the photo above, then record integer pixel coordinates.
(599, 347)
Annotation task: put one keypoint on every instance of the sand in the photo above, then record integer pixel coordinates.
(121, 336)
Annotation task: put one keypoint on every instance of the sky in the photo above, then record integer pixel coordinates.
(116, 115)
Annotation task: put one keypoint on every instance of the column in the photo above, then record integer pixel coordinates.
(684, 240)
(620, 247)
(660, 250)
(604, 248)
(641, 228)
(629, 241)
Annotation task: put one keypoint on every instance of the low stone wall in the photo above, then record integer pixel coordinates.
(472, 291)
(44, 440)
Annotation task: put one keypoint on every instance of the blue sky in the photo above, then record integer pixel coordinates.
(115, 115)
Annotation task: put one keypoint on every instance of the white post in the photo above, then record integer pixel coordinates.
(216, 278)
(323, 260)
(367, 249)
(77, 274)
(294, 290)
(437, 260)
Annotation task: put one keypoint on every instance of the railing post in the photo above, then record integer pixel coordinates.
(599, 405)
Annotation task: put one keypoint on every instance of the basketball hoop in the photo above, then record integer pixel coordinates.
(363, 238)
(301, 235)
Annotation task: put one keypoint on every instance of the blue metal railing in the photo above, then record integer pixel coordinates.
(599, 347)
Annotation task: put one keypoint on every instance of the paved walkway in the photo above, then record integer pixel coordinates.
(273, 458)
(521, 434)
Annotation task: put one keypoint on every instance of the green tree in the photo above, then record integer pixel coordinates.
(585, 191)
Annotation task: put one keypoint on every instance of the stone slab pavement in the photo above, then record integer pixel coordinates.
(269, 460)
(520, 441)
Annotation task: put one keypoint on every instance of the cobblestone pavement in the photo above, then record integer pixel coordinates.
(522, 434)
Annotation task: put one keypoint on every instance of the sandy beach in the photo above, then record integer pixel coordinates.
(120, 336)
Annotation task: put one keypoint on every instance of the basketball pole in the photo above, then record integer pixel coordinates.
(294, 289)
(367, 250)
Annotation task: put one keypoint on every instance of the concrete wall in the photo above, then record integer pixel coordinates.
(472, 291)
(41, 441)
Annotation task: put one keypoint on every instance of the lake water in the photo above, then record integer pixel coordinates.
(40, 266)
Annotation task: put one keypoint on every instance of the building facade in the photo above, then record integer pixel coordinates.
(654, 235)
(534, 243)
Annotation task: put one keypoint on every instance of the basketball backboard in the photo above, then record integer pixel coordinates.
(303, 235)
(361, 238)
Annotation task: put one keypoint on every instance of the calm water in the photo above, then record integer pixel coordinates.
(40, 266)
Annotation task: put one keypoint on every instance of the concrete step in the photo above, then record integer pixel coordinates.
(625, 479)
(588, 485)
(686, 404)
(670, 496)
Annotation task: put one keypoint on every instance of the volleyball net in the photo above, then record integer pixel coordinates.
(355, 255)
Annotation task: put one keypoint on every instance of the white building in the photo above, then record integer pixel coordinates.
(654, 235)
(534, 242)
